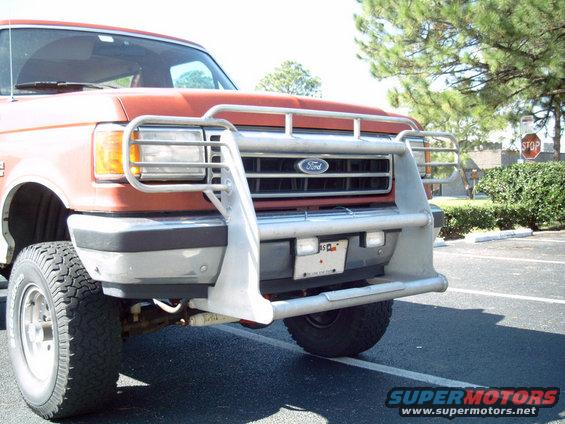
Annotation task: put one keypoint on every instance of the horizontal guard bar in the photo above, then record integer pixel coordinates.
(338, 295)
(291, 145)
(447, 180)
(178, 165)
(177, 120)
(434, 149)
(279, 155)
(356, 296)
(290, 112)
(438, 164)
(177, 143)
(272, 230)
(178, 188)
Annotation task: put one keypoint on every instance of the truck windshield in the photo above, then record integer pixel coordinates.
(103, 58)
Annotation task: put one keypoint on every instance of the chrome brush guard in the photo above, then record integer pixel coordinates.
(236, 292)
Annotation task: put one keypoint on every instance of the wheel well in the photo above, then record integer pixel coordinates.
(36, 215)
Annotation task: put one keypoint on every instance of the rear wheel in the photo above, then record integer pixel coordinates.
(341, 332)
(64, 334)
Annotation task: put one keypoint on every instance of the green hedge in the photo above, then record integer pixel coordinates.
(461, 220)
(538, 188)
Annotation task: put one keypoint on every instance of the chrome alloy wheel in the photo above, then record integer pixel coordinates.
(36, 322)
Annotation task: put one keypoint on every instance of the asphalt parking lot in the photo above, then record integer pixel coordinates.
(501, 323)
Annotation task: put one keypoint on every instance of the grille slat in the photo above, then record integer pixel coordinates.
(326, 175)
(274, 175)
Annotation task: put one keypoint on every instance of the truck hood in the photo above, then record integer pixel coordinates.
(174, 102)
(90, 107)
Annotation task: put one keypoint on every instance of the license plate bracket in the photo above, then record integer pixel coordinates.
(330, 260)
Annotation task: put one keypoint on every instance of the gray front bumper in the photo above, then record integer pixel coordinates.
(163, 256)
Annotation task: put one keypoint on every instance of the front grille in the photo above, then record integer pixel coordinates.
(275, 175)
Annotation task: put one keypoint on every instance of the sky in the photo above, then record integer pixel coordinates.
(248, 38)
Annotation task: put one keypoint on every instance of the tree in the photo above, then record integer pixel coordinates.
(292, 78)
(470, 65)
(447, 110)
(194, 79)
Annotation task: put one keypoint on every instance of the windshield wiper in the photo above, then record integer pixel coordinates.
(59, 85)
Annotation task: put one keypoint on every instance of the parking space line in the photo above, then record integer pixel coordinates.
(502, 258)
(354, 362)
(544, 240)
(508, 296)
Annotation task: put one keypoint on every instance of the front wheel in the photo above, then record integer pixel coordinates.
(342, 332)
(64, 334)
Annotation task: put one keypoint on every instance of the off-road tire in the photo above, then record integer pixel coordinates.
(352, 330)
(86, 333)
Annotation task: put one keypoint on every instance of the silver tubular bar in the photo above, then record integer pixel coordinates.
(277, 229)
(178, 165)
(437, 164)
(434, 149)
(456, 164)
(176, 143)
(451, 178)
(346, 298)
(315, 146)
(278, 155)
(183, 121)
(357, 118)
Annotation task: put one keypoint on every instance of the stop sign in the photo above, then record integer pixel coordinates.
(531, 146)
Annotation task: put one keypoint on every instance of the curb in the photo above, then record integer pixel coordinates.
(439, 242)
(498, 235)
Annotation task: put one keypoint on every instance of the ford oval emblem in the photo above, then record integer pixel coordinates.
(312, 166)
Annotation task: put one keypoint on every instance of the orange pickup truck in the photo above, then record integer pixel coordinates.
(139, 189)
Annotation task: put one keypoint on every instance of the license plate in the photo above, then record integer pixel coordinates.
(328, 261)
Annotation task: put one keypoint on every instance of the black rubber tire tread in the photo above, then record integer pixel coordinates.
(89, 332)
(355, 330)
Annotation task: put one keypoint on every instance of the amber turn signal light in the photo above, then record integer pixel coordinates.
(108, 154)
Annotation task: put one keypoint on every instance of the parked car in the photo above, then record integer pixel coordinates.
(140, 189)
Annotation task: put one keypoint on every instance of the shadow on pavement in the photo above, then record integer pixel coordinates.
(207, 376)
(473, 345)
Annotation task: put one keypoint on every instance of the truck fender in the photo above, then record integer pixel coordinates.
(7, 243)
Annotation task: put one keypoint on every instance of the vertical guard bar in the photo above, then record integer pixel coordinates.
(357, 128)
(236, 292)
(288, 124)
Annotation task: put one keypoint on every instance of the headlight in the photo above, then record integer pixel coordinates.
(108, 153)
(419, 155)
(171, 154)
